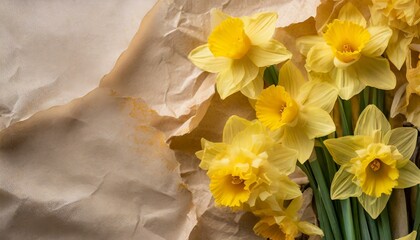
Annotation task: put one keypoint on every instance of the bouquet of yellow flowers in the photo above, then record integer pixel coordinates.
(304, 120)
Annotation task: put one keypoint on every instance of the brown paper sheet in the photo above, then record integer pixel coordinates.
(54, 51)
(100, 166)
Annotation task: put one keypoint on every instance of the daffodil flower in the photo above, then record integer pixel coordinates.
(403, 16)
(298, 109)
(279, 222)
(248, 165)
(407, 98)
(374, 161)
(238, 50)
(350, 52)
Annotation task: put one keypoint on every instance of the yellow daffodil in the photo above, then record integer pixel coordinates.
(407, 98)
(411, 236)
(403, 16)
(350, 52)
(279, 222)
(248, 165)
(298, 109)
(374, 161)
(238, 49)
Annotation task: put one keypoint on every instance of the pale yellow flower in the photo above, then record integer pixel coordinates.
(350, 51)
(279, 222)
(374, 161)
(407, 98)
(298, 109)
(403, 16)
(238, 50)
(248, 165)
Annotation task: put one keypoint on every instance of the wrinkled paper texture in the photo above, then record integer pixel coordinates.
(84, 156)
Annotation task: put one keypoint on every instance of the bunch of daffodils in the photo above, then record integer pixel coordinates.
(250, 169)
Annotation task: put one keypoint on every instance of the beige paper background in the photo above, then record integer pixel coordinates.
(98, 165)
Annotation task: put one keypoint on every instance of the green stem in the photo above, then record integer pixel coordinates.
(373, 228)
(381, 100)
(271, 75)
(356, 218)
(364, 228)
(348, 219)
(322, 215)
(331, 166)
(364, 99)
(345, 115)
(417, 214)
(375, 96)
(384, 226)
(325, 197)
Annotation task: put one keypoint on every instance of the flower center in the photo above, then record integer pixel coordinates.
(376, 169)
(236, 180)
(375, 165)
(346, 40)
(275, 107)
(229, 40)
(347, 48)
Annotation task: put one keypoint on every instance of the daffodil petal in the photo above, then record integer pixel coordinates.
(204, 59)
(371, 120)
(350, 13)
(411, 236)
(304, 44)
(211, 151)
(409, 175)
(268, 53)
(251, 71)
(217, 17)
(347, 82)
(398, 101)
(309, 229)
(296, 139)
(294, 206)
(233, 126)
(379, 38)
(397, 50)
(260, 27)
(320, 58)
(242, 71)
(404, 139)
(253, 89)
(291, 79)
(375, 72)
(343, 187)
(289, 189)
(283, 158)
(245, 141)
(344, 148)
(374, 206)
(315, 122)
(228, 82)
(319, 94)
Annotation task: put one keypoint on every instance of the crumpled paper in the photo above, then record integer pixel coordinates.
(55, 51)
(99, 166)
